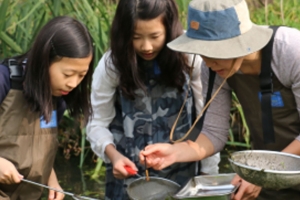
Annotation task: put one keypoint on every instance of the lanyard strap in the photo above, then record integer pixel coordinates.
(198, 127)
(209, 100)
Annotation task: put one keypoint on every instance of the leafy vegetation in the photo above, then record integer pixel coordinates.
(21, 20)
(280, 12)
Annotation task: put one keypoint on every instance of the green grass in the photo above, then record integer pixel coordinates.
(287, 13)
(24, 18)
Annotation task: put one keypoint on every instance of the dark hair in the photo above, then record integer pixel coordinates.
(60, 37)
(172, 64)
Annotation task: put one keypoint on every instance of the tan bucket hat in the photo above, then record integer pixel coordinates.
(221, 29)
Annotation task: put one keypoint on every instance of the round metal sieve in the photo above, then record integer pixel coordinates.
(154, 189)
(269, 169)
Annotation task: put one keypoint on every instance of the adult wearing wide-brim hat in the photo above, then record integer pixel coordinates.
(261, 65)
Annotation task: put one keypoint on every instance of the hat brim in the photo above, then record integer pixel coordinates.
(251, 41)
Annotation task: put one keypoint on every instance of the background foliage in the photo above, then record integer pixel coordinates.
(20, 21)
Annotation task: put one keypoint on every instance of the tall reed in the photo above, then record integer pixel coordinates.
(20, 21)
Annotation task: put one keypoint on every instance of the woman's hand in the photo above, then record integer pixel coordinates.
(158, 156)
(8, 172)
(53, 182)
(246, 191)
(162, 155)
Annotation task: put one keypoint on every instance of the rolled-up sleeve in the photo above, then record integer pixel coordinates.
(216, 123)
(105, 81)
(210, 164)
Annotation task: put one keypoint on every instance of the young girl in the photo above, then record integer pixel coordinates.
(138, 89)
(35, 89)
(258, 64)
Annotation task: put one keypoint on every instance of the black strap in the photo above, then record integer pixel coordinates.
(266, 88)
(198, 127)
(16, 74)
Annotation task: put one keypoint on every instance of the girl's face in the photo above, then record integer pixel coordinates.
(149, 37)
(66, 74)
(223, 66)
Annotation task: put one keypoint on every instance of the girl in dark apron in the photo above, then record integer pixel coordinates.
(35, 90)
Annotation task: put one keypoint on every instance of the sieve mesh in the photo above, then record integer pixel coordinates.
(154, 189)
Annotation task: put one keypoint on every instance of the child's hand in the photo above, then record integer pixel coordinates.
(53, 182)
(8, 172)
(119, 164)
(53, 195)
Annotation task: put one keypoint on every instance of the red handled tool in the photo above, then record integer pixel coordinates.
(131, 171)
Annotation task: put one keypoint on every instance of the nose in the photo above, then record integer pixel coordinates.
(146, 45)
(73, 82)
(210, 62)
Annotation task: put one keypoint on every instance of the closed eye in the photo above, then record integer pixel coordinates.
(82, 76)
(67, 75)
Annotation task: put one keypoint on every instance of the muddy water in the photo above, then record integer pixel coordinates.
(75, 180)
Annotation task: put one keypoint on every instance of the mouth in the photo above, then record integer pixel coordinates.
(147, 55)
(220, 72)
(217, 70)
(64, 92)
